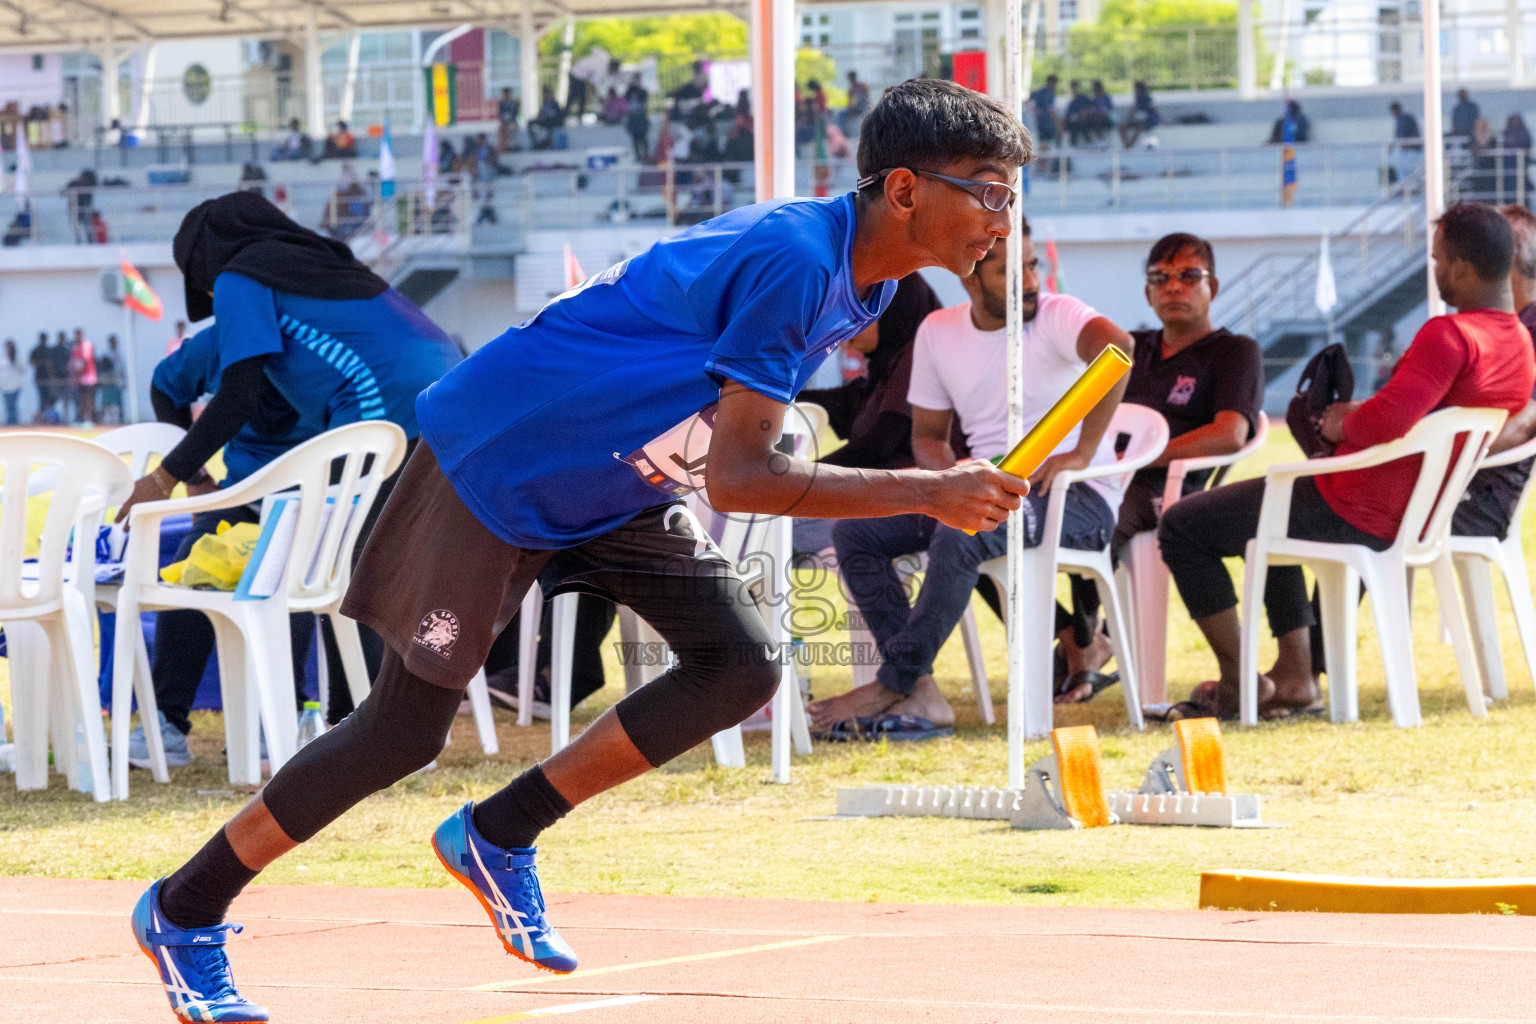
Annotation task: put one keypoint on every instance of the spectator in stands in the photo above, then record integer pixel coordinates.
(79, 191)
(295, 146)
(447, 159)
(506, 120)
(98, 229)
(1207, 382)
(585, 75)
(690, 94)
(541, 130)
(1464, 115)
(1142, 118)
(638, 121)
(42, 376)
(374, 351)
(1405, 140)
(340, 144)
(1483, 184)
(20, 227)
(615, 108)
(959, 369)
(251, 177)
(1042, 103)
(12, 377)
(1080, 117)
(739, 143)
(109, 388)
(1103, 108)
(1517, 157)
(58, 373)
(347, 211)
(1301, 125)
(858, 105)
(871, 413)
(82, 375)
(179, 337)
(1479, 357)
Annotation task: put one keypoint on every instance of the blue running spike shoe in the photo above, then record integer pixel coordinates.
(507, 885)
(193, 965)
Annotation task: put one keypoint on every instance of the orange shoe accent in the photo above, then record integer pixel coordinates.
(475, 891)
(1081, 768)
(1201, 752)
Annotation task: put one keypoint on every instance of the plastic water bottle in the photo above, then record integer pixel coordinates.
(311, 722)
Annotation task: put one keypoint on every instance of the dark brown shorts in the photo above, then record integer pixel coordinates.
(438, 586)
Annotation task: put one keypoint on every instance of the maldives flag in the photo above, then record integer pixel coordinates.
(138, 295)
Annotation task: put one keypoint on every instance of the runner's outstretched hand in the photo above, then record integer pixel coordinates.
(975, 495)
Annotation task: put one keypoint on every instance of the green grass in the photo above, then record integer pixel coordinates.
(1454, 798)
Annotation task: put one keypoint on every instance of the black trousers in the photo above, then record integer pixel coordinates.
(594, 617)
(1202, 529)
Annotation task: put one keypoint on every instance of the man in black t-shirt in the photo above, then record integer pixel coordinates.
(1490, 499)
(1207, 382)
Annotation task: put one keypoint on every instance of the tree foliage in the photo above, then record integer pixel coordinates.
(675, 41)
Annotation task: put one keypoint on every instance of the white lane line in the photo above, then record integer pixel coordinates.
(553, 1011)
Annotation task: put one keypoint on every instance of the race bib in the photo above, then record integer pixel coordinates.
(674, 462)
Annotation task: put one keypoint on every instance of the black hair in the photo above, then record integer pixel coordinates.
(926, 123)
(1169, 246)
(1522, 223)
(1479, 234)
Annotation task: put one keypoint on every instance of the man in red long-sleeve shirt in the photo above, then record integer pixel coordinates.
(1480, 357)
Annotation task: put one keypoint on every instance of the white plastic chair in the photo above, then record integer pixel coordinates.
(1031, 706)
(255, 660)
(1341, 568)
(1143, 578)
(761, 547)
(1473, 558)
(84, 480)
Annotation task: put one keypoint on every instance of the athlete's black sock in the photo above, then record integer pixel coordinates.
(513, 817)
(198, 895)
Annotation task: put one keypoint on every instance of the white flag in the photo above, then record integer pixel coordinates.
(386, 164)
(1327, 295)
(23, 165)
(429, 163)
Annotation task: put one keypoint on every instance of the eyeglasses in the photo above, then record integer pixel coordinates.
(993, 195)
(1190, 277)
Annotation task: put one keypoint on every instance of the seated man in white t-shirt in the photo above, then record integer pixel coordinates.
(959, 367)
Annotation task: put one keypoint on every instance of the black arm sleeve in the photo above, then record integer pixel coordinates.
(167, 411)
(239, 394)
(878, 447)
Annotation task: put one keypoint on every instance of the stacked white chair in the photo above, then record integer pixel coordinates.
(255, 660)
(1473, 558)
(1421, 542)
(762, 548)
(62, 700)
(1031, 698)
(1143, 578)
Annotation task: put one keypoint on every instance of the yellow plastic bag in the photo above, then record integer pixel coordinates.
(217, 560)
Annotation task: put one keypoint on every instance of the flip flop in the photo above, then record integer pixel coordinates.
(1099, 681)
(895, 728)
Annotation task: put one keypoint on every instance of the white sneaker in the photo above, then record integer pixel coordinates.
(176, 752)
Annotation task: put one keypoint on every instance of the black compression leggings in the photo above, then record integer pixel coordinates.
(724, 673)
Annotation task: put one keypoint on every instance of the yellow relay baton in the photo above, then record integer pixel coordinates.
(1034, 447)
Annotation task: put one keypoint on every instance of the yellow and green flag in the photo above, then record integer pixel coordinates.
(138, 295)
(442, 94)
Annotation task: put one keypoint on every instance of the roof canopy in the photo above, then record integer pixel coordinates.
(45, 25)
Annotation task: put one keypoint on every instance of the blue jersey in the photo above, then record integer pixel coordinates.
(601, 405)
(336, 361)
(193, 370)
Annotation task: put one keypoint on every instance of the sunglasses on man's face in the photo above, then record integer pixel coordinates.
(993, 195)
(1190, 278)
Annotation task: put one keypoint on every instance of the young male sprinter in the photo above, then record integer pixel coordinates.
(556, 453)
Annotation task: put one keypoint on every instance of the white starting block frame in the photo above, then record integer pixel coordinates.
(1162, 800)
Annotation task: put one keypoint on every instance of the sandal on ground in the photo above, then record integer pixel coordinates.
(1070, 690)
(872, 729)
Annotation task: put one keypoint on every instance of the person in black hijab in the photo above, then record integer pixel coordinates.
(300, 325)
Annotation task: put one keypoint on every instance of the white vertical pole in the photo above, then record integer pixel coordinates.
(528, 61)
(997, 17)
(1282, 49)
(1516, 31)
(111, 96)
(1013, 99)
(1247, 52)
(563, 82)
(773, 97)
(146, 84)
(314, 95)
(129, 381)
(349, 87)
(1434, 146)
